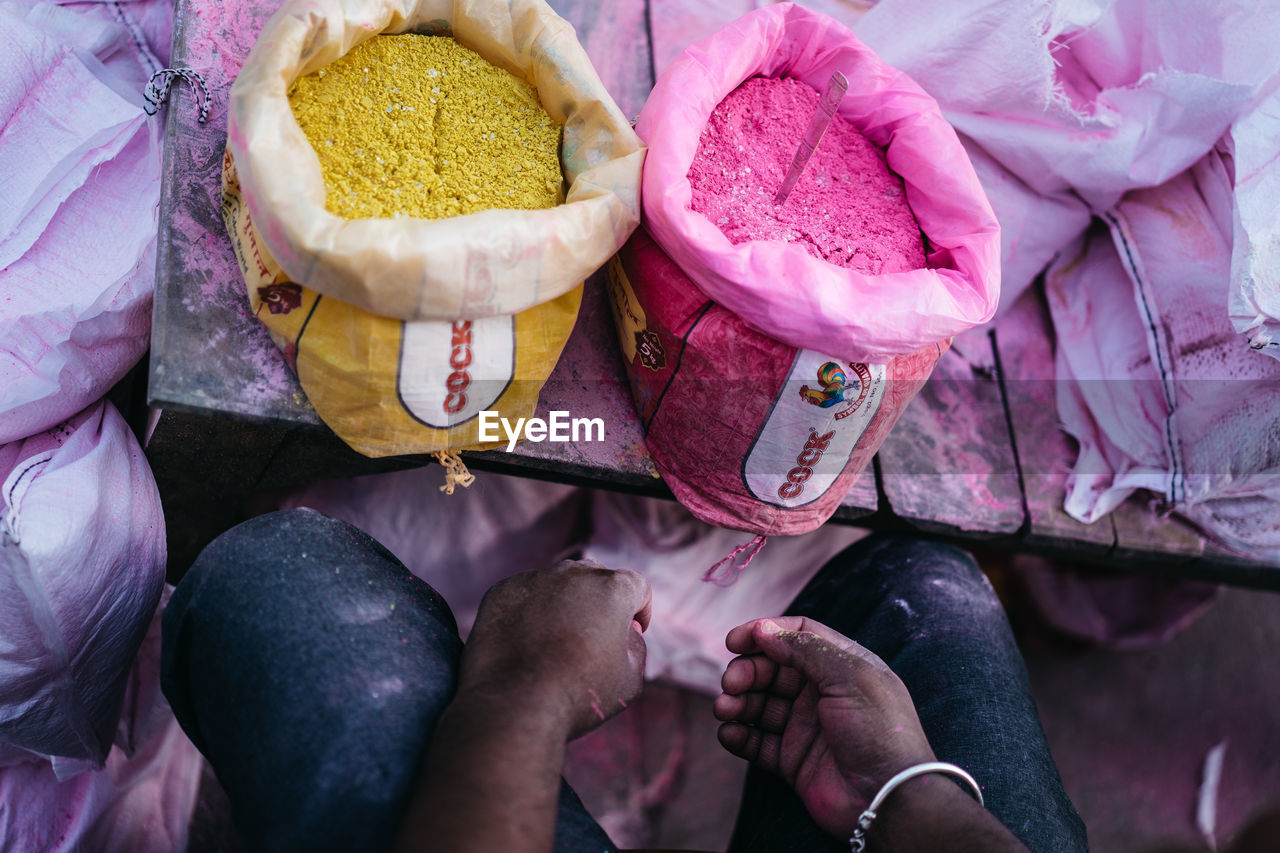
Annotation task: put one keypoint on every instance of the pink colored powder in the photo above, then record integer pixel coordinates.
(847, 208)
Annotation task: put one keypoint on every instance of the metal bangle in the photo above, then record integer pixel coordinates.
(858, 842)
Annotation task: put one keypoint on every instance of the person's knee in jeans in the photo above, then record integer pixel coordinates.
(886, 589)
(313, 670)
(553, 654)
(305, 662)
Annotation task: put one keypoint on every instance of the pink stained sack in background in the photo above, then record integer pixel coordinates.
(140, 801)
(82, 561)
(1066, 105)
(662, 540)
(837, 311)
(1155, 384)
(80, 168)
(726, 342)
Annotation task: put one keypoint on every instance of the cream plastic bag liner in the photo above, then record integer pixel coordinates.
(479, 265)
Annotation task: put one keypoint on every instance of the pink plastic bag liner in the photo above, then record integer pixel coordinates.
(729, 413)
(852, 316)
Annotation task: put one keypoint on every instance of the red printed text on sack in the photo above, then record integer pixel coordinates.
(809, 455)
(459, 380)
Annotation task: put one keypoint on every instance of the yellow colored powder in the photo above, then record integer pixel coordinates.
(421, 126)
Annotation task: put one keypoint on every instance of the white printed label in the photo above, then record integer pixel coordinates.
(822, 411)
(449, 372)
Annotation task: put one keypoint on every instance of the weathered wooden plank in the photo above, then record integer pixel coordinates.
(208, 354)
(1224, 566)
(303, 457)
(1140, 531)
(1023, 339)
(863, 498)
(949, 465)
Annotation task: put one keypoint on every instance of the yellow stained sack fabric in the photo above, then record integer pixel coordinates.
(389, 387)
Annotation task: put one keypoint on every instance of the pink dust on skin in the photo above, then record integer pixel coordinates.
(595, 703)
(847, 208)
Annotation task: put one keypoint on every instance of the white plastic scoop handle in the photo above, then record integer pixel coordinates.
(831, 97)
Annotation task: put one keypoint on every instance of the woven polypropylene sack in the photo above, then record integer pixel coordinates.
(727, 418)
(82, 557)
(767, 378)
(377, 315)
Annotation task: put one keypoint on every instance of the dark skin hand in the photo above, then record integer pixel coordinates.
(552, 655)
(555, 653)
(830, 718)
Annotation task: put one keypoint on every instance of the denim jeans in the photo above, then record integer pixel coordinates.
(928, 612)
(309, 666)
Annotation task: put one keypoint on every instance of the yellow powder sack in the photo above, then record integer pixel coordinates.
(414, 125)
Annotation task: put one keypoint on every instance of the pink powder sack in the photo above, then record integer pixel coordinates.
(847, 208)
(767, 372)
(778, 288)
(748, 432)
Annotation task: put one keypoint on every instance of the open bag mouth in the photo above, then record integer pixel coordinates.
(485, 263)
(867, 318)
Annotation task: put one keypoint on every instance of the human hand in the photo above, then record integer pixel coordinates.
(564, 641)
(821, 711)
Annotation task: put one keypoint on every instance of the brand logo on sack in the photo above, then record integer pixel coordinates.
(281, 297)
(459, 381)
(814, 447)
(450, 371)
(810, 434)
(837, 388)
(649, 348)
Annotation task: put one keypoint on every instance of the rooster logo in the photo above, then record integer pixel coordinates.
(832, 390)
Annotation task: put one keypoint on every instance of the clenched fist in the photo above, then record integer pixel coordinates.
(568, 638)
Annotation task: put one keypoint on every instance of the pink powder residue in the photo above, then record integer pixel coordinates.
(847, 208)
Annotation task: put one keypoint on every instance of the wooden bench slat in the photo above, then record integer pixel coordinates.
(1023, 339)
(208, 354)
(949, 465)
